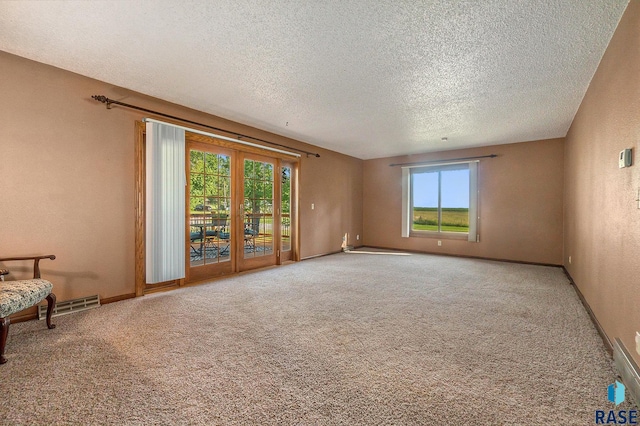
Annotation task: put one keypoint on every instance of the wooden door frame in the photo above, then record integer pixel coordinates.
(243, 263)
(141, 287)
(221, 268)
(140, 204)
(140, 193)
(293, 206)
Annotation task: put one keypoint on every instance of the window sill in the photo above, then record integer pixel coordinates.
(439, 235)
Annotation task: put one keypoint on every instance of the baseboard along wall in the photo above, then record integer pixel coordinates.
(596, 323)
(628, 370)
(625, 364)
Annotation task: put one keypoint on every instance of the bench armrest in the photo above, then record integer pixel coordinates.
(36, 262)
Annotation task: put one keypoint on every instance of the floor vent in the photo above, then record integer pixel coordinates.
(70, 306)
(628, 370)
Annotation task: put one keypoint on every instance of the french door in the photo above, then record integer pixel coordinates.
(259, 208)
(209, 211)
(240, 210)
(288, 197)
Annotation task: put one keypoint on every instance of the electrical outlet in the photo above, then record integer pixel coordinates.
(313, 206)
(439, 243)
(638, 342)
(358, 237)
(569, 260)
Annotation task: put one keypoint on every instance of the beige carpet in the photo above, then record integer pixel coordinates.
(343, 339)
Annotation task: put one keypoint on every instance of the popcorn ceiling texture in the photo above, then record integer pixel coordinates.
(368, 79)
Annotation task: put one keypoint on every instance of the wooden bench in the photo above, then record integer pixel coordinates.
(16, 296)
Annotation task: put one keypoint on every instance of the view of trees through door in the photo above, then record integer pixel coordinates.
(258, 208)
(239, 209)
(209, 208)
(286, 212)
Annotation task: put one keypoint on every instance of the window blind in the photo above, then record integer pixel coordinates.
(165, 203)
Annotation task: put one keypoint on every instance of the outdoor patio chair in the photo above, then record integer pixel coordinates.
(196, 238)
(218, 233)
(208, 228)
(251, 230)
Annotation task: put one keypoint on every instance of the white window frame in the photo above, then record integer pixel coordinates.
(407, 211)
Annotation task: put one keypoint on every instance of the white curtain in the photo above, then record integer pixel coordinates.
(473, 202)
(165, 203)
(406, 202)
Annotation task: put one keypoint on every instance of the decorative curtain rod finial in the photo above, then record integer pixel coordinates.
(103, 99)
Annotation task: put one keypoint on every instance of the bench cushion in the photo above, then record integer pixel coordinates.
(22, 294)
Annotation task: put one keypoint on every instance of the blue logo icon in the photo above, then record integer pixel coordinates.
(616, 393)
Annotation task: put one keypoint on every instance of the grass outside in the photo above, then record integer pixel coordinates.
(453, 219)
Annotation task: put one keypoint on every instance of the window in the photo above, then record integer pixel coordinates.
(440, 199)
(258, 208)
(209, 207)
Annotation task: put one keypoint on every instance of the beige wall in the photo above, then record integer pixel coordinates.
(67, 179)
(333, 184)
(602, 219)
(520, 203)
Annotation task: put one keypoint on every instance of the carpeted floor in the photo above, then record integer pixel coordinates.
(344, 339)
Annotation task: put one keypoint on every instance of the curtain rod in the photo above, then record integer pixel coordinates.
(213, 135)
(443, 160)
(109, 102)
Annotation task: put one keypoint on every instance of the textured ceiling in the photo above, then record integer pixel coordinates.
(366, 78)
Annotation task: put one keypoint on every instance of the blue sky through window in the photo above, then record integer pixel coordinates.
(455, 189)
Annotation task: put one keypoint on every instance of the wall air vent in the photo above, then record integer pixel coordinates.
(628, 370)
(70, 306)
